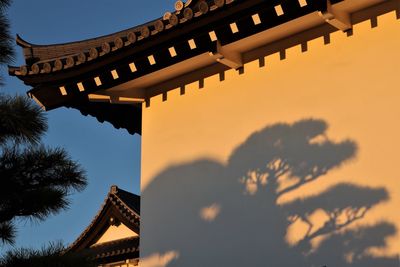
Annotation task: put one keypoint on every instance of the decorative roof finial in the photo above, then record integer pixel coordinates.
(114, 189)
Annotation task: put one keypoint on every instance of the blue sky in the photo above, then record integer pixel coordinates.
(109, 156)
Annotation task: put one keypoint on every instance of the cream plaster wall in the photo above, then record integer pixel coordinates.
(202, 199)
(115, 232)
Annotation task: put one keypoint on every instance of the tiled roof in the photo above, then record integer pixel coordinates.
(115, 74)
(119, 205)
(42, 59)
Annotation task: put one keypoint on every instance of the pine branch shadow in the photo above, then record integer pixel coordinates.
(229, 215)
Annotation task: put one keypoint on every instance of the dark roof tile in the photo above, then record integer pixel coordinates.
(119, 203)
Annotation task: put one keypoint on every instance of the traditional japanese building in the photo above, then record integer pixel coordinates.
(270, 131)
(112, 238)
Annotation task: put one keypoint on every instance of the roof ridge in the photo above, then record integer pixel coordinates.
(126, 206)
(94, 48)
(109, 199)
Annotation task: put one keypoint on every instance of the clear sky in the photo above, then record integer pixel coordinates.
(110, 156)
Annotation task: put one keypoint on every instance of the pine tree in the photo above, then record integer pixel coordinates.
(50, 255)
(6, 48)
(35, 180)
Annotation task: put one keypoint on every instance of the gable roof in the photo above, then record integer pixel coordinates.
(200, 38)
(119, 207)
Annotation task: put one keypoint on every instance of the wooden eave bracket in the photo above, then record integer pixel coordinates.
(337, 18)
(114, 99)
(228, 58)
(37, 101)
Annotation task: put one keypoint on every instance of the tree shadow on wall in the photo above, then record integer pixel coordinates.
(229, 215)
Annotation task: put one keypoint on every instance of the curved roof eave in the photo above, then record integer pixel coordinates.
(113, 203)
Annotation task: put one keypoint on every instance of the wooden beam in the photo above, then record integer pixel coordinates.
(126, 100)
(98, 98)
(114, 99)
(337, 18)
(37, 101)
(231, 59)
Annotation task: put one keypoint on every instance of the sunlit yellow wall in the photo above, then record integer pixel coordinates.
(352, 84)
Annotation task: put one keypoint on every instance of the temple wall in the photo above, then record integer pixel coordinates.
(292, 164)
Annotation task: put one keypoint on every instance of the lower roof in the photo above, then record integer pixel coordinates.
(119, 207)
